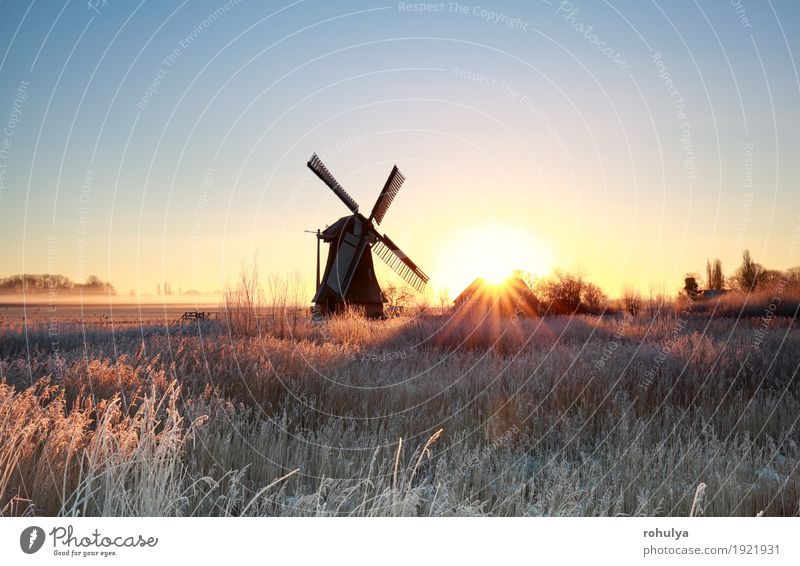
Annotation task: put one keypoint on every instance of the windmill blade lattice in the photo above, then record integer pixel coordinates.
(400, 263)
(390, 190)
(316, 165)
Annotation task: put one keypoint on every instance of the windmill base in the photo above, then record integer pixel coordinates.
(329, 308)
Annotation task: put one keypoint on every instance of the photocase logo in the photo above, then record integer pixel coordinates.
(31, 539)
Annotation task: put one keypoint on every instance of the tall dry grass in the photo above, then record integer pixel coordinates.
(764, 303)
(427, 415)
(244, 301)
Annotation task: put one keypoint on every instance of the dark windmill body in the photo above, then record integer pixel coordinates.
(349, 276)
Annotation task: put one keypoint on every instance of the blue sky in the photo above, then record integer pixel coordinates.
(167, 141)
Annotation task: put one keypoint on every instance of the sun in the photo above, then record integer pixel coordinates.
(492, 251)
(497, 268)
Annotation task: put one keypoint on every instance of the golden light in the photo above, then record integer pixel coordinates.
(492, 251)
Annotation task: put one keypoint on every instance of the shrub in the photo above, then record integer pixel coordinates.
(631, 301)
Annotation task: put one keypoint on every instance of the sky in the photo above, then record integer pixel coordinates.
(167, 141)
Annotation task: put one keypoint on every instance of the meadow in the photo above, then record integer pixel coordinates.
(671, 412)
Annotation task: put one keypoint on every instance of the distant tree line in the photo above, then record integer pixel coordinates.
(564, 292)
(44, 283)
(749, 277)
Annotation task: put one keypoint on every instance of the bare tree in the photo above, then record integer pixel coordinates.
(771, 278)
(715, 279)
(750, 274)
(398, 296)
(718, 276)
(389, 293)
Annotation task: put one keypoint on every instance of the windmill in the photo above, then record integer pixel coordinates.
(349, 277)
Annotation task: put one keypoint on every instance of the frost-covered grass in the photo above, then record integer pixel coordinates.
(430, 415)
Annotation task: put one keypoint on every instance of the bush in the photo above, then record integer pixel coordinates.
(570, 293)
(631, 301)
(594, 297)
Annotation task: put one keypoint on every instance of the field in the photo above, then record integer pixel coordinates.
(661, 414)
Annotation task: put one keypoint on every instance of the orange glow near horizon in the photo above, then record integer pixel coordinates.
(492, 251)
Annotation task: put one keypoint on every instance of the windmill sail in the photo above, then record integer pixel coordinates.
(316, 165)
(395, 258)
(390, 190)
